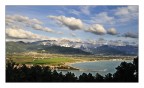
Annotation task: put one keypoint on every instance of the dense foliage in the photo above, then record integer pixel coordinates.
(126, 72)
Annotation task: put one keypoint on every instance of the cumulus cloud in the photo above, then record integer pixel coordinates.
(97, 29)
(24, 19)
(23, 34)
(39, 27)
(20, 21)
(112, 31)
(9, 21)
(36, 21)
(70, 22)
(130, 35)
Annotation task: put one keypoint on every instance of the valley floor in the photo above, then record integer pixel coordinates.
(58, 61)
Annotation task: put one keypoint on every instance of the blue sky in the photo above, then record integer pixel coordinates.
(72, 22)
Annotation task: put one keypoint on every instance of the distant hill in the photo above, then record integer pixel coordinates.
(115, 50)
(106, 50)
(16, 47)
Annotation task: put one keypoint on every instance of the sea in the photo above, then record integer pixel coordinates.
(102, 67)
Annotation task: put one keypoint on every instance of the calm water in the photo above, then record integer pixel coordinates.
(101, 67)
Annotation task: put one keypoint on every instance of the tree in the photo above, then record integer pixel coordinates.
(10, 71)
(135, 62)
(83, 78)
(90, 78)
(47, 74)
(70, 77)
(108, 77)
(125, 72)
(99, 78)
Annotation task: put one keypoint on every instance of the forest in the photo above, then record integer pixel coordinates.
(125, 72)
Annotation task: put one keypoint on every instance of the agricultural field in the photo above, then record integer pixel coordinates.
(57, 59)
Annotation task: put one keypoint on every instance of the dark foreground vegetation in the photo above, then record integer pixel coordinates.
(126, 72)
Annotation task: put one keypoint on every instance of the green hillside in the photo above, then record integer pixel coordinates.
(17, 47)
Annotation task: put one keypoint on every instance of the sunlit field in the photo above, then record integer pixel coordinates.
(58, 59)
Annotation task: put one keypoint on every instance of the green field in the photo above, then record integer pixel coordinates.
(57, 59)
(37, 58)
(54, 61)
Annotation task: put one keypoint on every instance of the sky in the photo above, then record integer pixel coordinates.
(74, 23)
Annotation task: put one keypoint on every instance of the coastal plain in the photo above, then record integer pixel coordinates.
(58, 61)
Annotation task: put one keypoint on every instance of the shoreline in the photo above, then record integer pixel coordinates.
(70, 64)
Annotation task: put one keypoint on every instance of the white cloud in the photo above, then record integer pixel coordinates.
(122, 11)
(23, 34)
(103, 18)
(23, 19)
(36, 21)
(70, 39)
(70, 22)
(97, 29)
(112, 31)
(118, 16)
(20, 21)
(39, 27)
(85, 10)
(20, 34)
(74, 12)
(126, 14)
(9, 21)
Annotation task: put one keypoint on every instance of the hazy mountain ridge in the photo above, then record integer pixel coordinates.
(15, 47)
(69, 47)
(115, 50)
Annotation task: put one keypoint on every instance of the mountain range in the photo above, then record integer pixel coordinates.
(69, 47)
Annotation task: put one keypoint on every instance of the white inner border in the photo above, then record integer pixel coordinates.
(3, 84)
